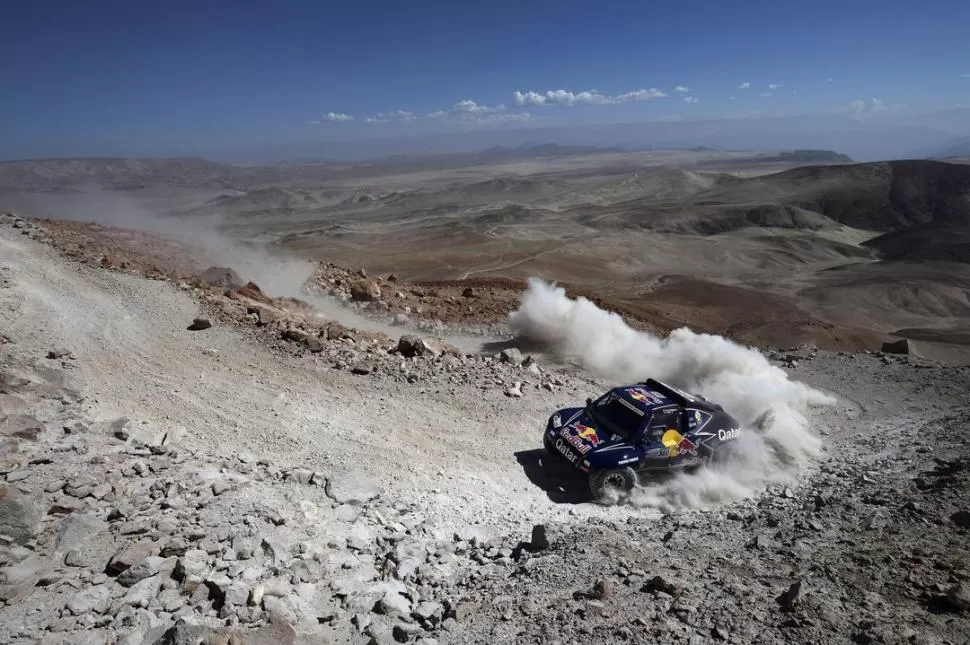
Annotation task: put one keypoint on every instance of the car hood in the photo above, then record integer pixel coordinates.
(581, 432)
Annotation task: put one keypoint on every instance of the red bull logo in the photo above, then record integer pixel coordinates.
(686, 445)
(643, 396)
(587, 434)
(638, 395)
(677, 443)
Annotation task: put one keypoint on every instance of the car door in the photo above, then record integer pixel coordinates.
(665, 428)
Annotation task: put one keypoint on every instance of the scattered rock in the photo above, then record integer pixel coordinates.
(512, 356)
(199, 324)
(789, 599)
(959, 596)
(265, 315)
(411, 345)
(77, 530)
(352, 488)
(129, 556)
(660, 584)
(515, 391)
(143, 592)
(147, 568)
(95, 599)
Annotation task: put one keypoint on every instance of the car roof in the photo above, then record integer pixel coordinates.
(643, 398)
(653, 394)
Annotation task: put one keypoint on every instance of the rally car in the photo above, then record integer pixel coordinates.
(648, 426)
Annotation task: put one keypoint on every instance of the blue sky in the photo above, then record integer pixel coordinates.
(98, 77)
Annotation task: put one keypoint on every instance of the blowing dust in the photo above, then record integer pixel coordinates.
(778, 441)
(277, 271)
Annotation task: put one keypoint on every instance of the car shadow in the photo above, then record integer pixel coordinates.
(561, 483)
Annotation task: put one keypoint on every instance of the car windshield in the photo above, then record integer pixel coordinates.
(616, 415)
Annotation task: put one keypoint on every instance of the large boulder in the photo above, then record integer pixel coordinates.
(411, 345)
(19, 515)
(901, 346)
(22, 426)
(221, 277)
(352, 488)
(365, 291)
(250, 291)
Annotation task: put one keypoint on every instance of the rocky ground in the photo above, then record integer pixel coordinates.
(188, 462)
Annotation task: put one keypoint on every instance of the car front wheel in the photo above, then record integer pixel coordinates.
(610, 484)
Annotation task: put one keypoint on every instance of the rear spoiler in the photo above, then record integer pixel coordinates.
(672, 393)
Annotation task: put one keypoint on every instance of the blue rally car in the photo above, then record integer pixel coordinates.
(647, 426)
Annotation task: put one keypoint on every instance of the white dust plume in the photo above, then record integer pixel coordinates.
(773, 410)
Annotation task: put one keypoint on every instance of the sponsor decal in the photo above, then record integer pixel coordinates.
(563, 448)
(686, 446)
(677, 443)
(637, 394)
(581, 437)
(576, 442)
(731, 433)
(628, 460)
(587, 434)
(644, 396)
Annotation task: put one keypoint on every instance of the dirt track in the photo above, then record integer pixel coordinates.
(136, 359)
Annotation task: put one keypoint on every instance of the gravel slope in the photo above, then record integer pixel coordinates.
(872, 530)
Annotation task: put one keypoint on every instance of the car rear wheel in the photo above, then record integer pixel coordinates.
(609, 484)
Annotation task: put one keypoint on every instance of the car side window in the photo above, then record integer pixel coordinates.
(663, 420)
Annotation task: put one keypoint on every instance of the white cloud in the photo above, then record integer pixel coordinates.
(774, 86)
(639, 95)
(503, 117)
(732, 98)
(469, 107)
(397, 115)
(744, 86)
(314, 122)
(559, 97)
(829, 80)
(470, 111)
(765, 94)
(682, 89)
(336, 117)
(875, 106)
(589, 97)
(690, 99)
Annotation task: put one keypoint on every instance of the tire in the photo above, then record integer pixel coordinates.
(609, 484)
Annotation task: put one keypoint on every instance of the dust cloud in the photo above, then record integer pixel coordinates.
(278, 272)
(773, 409)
